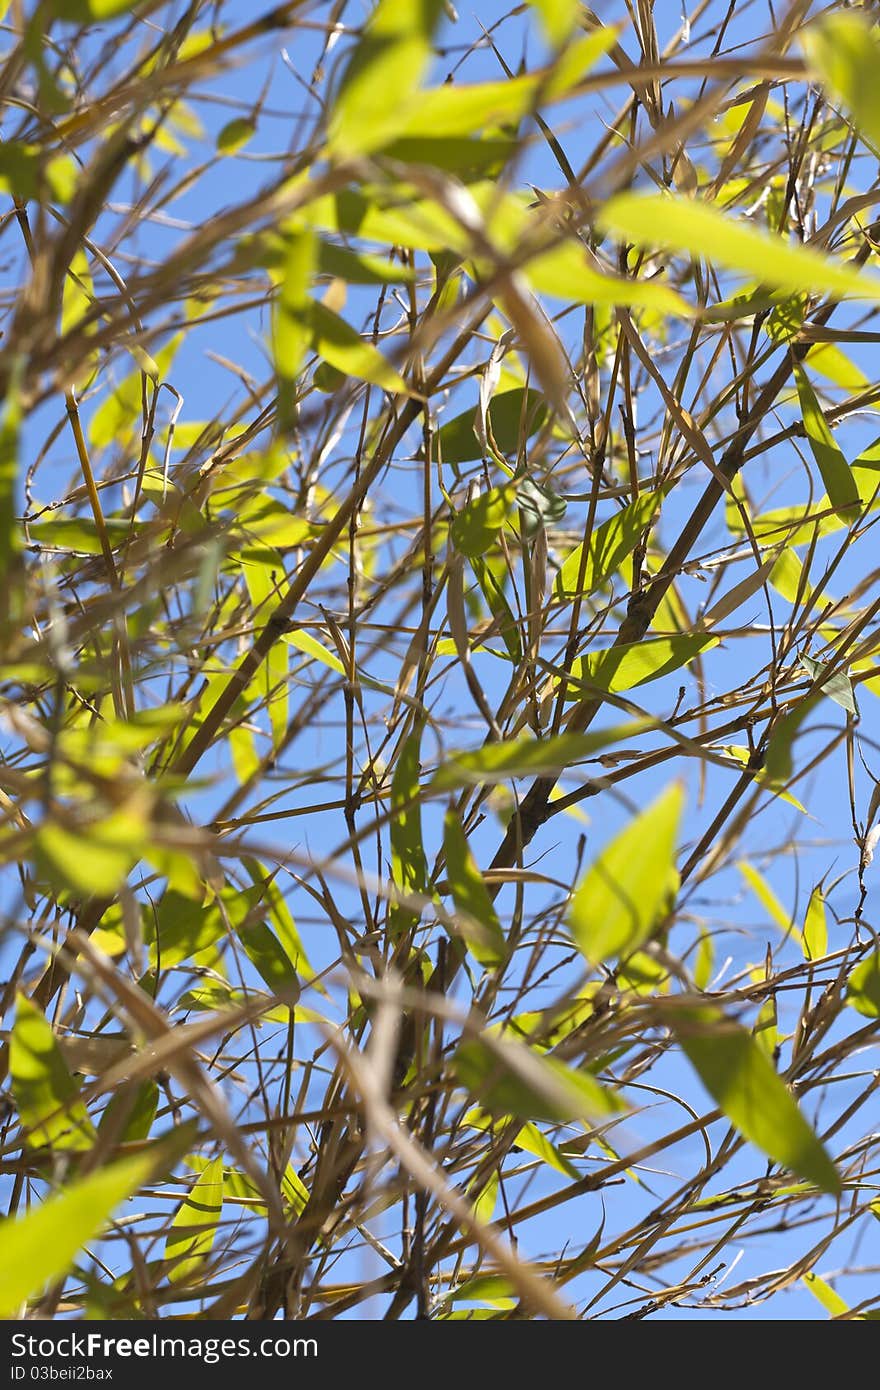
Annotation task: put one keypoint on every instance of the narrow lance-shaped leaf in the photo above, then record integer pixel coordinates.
(42, 1245)
(46, 1095)
(409, 868)
(529, 757)
(290, 332)
(609, 546)
(836, 473)
(623, 667)
(741, 1079)
(511, 1079)
(558, 18)
(815, 933)
(863, 986)
(480, 926)
(194, 1226)
(684, 224)
(10, 426)
(619, 900)
(383, 75)
(843, 49)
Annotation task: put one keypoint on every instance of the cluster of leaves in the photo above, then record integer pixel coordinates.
(370, 508)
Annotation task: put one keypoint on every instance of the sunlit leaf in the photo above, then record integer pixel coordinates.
(380, 83)
(741, 1079)
(623, 667)
(558, 18)
(511, 1079)
(863, 986)
(41, 1245)
(194, 1225)
(409, 867)
(609, 546)
(620, 898)
(475, 527)
(831, 1301)
(836, 473)
(843, 49)
(46, 1095)
(815, 933)
(480, 926)
(528, 757)
(684, 224)
(235, 135)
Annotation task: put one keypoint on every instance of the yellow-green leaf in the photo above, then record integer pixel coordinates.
(480, 926)
(831, 1301)
(741, 1079)
(528, 757)
(836, 473)
(235, 135)
(512, 1079)
(194, 1226)
(42, 1245)
(46, 1096)
(684, 224)
(95, 860)
(620, 898)
(290, 331)
(610, 544)
(343, 347)
(467, 109)
(558, 18)
(814, 937)
(863, 987)
(381, 81)
(475, 527)
(843, 49)
(10, 427)
(621, 668)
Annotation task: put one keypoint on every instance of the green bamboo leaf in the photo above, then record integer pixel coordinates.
(559, 18)
(480, 926)
(475, 527)
(768, 899)
(621, 668)
(684, 224)
(343, 347)
(46, 1096)
(235, 135)
(610, 544)
(194, 1226)
(290, 330)
(815, 933)
(129, 1114)
(863, 987)
(843, 49)
(514, 415)
(778, 762)
(458, 110)
(381, 81)
(409, 868)
(41, 1246)
(836, 473)
(528, 757)
(741, 1079)
(511, 1079)
(10, 428)
(837, 687)
(265, 951)
(621, 897)
(565, 273)
(95, 860)
(833, 1304)
(84, 11)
